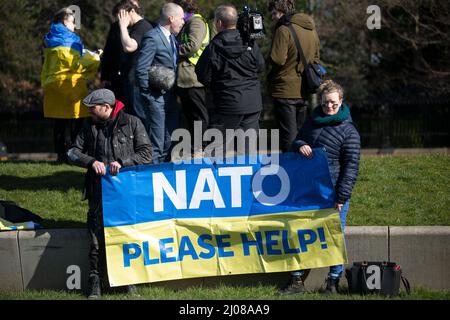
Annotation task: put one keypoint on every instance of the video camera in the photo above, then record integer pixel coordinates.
(250, 24)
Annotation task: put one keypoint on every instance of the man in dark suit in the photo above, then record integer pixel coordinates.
(155, 77)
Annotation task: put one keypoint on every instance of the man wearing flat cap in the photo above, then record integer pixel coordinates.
(110, 138)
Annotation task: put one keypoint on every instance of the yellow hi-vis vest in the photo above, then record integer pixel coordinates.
(194, 58)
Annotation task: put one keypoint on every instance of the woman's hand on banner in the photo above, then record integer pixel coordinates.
(306, 151)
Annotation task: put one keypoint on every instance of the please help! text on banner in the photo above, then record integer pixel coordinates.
(178, 221)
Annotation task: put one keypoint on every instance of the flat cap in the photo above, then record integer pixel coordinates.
(100, 96)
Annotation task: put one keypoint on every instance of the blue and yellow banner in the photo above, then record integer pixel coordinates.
(177, 221)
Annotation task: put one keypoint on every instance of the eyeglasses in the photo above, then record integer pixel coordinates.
(326, 103)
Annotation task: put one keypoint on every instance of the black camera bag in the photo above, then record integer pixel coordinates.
(376, 277)
(313, 73)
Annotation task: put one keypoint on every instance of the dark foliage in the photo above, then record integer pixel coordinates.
(407, 58)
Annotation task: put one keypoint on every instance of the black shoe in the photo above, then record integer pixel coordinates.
(332, 286)
(94, 287)
(132, 291)
(294, 286)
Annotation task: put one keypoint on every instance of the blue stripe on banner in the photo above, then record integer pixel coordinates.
(169, 191)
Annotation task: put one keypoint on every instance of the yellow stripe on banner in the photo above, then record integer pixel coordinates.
(190, 248)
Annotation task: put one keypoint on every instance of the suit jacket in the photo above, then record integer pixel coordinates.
(155, 50)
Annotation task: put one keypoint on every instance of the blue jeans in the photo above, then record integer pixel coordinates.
(335, 271)
(161, 119)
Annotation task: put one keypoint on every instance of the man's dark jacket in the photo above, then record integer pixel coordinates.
(112, 60)
(128, 144)
(231, 69)
(342, 144)
(116, 64)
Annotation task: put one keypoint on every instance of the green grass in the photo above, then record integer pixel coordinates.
(402, 191)
(219, 292)
(52, 191)
(391, 190)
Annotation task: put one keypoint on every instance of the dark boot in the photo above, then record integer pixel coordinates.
(61, 158)
(332, 286)
(132, 291)
(94, 287)
(295, 285)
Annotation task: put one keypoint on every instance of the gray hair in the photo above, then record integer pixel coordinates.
(169, 9)
(63, 14)
(227, 13)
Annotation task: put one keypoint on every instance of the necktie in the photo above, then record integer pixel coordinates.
(174, 49)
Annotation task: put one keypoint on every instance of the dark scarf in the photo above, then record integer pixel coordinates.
(321, 119)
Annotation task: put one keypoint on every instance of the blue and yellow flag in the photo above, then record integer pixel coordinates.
(67, 66)
(177, 221)
(6, 225)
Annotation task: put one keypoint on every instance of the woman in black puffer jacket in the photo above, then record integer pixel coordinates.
(331, 127)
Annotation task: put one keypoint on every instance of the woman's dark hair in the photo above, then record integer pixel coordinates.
(187, 5)
(128, 5)
(62, 14)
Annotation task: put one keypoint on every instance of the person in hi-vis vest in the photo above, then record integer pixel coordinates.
(192, 39)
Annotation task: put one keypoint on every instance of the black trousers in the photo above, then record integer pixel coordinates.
(59, 134)
(245, 122)
(290, 115)
(97, 249)
(195, 108)
(97, 254)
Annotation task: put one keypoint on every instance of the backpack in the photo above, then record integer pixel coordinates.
(13, 217)
(10, 211)
(376, 278)
(313, 72)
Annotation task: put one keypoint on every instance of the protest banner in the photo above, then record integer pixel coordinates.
(177, 221)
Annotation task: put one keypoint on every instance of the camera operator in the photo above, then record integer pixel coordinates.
(231, 67)
(284, 77)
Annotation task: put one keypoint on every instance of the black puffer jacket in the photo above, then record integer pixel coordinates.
(231, 69)
(342, 144)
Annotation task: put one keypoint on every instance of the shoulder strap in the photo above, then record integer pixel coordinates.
(406, 284)
(300, 54)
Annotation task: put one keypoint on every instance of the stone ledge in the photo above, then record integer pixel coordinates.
(40, 259)
(404, 151)
(10, 264)
(423, 253)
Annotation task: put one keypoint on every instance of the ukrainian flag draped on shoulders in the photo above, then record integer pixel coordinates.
(67, 66)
